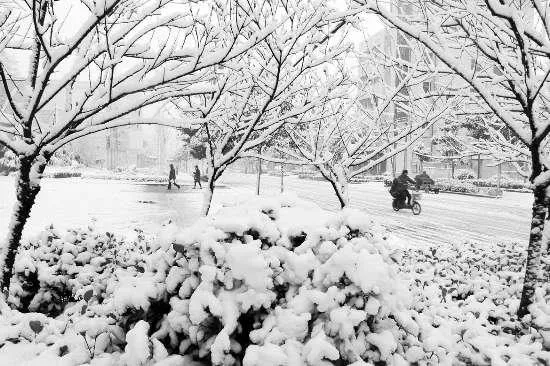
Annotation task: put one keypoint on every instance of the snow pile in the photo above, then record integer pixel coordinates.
(465, 300)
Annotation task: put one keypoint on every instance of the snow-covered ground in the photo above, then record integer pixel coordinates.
(117, 205)
(120, 206)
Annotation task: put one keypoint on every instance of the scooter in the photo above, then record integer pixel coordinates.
(400, 204)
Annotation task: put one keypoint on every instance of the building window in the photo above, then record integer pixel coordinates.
(427, 86)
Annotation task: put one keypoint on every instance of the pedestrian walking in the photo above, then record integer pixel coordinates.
(172, 177)
(197, 177)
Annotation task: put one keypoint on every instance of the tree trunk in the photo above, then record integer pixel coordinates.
(259, 176)
(338, 180)
(533, 264)
(342, 197)
(209, 193)
(28, 186)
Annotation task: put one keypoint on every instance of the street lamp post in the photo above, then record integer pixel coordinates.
(282, 177)
(259, 171)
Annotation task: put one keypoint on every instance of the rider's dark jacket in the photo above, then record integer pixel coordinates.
(401, 183)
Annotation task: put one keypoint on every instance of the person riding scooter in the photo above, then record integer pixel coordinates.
(423, 180)
(399, 187)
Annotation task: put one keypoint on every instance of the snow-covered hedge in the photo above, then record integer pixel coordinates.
(466, 186)
(310, 176)
(63, 174)
(51, 271)
(272, 282)
(134, 177)
(481, 185)
(275, 285)
(455, 185)
(370, 178)
(463, 174)
(8, 161)
(468, 295)
(268, 283)
(505, 183)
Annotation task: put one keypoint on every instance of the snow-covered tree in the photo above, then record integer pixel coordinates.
(382, 115)
(501, 49)
(89, 75)
(278, 84)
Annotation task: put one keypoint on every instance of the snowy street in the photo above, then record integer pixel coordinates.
(117, 205)
(444, 217)
(121, 206)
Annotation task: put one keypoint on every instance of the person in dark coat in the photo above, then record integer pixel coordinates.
(197, 177)
(399, 186)
(422, 179)
(172, 177)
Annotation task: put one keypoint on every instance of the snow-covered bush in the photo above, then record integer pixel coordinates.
(505, 183)
(65, 158)
(267, 283)
(467, 295)
(270, 284)
(35, 339)
(462, 174)
(455, 185)
(8, 161)
(370, 178)
(52, 270)
(129, 176)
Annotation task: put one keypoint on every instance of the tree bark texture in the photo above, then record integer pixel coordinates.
(533, 266)
(27, 190)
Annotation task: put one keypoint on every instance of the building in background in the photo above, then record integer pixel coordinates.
(140, 146)
(135, 146)
(428, 151)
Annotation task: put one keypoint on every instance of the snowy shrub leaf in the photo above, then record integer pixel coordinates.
(63, 350)
(83, 310)
(179, 248)
(36, 326)
(88, 295)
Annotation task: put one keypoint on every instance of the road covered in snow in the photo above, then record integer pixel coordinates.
(116, 205)
(444, 218)
(122, 206)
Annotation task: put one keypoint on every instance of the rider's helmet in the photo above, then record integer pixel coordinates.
(405, 171)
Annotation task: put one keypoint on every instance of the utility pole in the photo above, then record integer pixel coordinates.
(499, 174)
(478, 166)
(259, 172)
(453, 168)
(282, 177)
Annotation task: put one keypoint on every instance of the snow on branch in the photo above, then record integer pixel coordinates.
(490, 52)
(125, 56)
